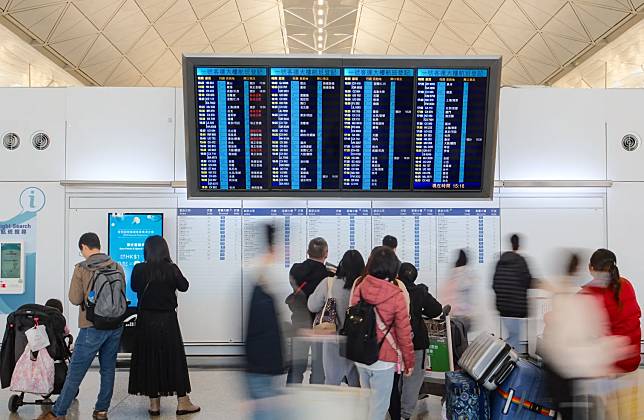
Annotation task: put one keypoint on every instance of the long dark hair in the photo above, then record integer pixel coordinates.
(156, 251)
(383, 264)
(605, 261)
(351, 267)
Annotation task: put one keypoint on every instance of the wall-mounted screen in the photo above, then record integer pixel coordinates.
(341, 126)
(12, 268)
(126, 236)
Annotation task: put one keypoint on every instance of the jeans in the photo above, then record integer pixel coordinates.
(90, 342)
(513, 331)
(300, 360)
(411, 386)
(260, 388)
(380, 382)
(337, 367)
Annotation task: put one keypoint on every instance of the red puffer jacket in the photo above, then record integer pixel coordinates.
(624, 318)
(392, 308)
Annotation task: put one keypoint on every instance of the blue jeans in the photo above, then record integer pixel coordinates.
(90, 342)
(260, 388)
(513, 331)
(380, 382)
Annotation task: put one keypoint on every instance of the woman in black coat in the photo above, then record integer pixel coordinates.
(158, 367)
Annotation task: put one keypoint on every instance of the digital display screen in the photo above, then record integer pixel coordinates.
(10, 261)
(378, 128)
(305, 116)
(341, 126)
(450, 128)
(232, 107)
(126, 236)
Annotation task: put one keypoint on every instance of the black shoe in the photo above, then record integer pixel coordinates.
(153, 413)
(184, 412)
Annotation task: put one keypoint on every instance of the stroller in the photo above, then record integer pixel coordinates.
(15, 342)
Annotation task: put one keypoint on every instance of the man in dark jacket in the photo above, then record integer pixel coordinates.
(512, 279)
(264, 344)
(305, 278)
(421, 304)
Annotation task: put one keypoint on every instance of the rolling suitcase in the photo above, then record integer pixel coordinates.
(464, 398)
(523, 395)
(489, 360)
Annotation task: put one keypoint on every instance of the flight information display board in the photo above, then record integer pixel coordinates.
(339, 126)
(305, 114)
(231, 127)
(378, 124)
(450, 128)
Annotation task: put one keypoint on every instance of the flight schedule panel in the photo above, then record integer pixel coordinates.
(450, 128)
(377, 128)
(340, 126)
(305, 128)
(231, 107)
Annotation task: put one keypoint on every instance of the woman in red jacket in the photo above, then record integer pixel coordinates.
(617, 296)
(378, 287)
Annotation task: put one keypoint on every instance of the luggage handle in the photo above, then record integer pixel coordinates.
(500, 378)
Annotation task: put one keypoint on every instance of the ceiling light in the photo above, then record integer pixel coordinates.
(320, 21)
(320, 38)
(319, 52)
(320, 12)
(320, 45)
(320, 30)
(320, 2)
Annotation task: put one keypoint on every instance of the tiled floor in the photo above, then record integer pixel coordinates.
(220, 393)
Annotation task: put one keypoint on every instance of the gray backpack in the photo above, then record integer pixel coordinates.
(106, 305)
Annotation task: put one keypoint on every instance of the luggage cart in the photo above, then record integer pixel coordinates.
(440, 355)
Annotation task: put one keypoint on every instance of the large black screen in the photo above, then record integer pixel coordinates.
(340, 126)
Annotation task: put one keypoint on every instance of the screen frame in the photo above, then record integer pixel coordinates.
(23, 263)
(109, 236)
(492, 63)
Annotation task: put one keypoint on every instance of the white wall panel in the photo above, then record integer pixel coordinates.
(624, 114)
(626, 231)
(549, 224)
(120, 134)
(552, 134)
(25, 112)
(179, 140)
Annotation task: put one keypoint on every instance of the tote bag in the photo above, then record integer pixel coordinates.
(34, 373)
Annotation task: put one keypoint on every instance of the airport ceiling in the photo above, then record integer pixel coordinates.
(140, 42)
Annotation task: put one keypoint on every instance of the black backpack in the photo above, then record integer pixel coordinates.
(108, 308)
(360, 328)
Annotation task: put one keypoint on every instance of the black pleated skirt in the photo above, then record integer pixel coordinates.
(158, 367)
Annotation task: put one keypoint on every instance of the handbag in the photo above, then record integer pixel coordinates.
(37, 337)
(34, 373)
(326, 320)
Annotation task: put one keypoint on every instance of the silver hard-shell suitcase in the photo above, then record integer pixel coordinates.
(489, 360)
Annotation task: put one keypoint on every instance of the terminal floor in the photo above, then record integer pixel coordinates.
(220, 394)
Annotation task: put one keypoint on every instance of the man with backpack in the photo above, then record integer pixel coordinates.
(98, 287)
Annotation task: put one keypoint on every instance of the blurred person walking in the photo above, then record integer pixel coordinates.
(379, 288)
(458, 290)
(404, 395)
(305, 278)
(617, 296)
(265, 362)
(512, 279)
(576, 344)
(350, 268)
(158, 367)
